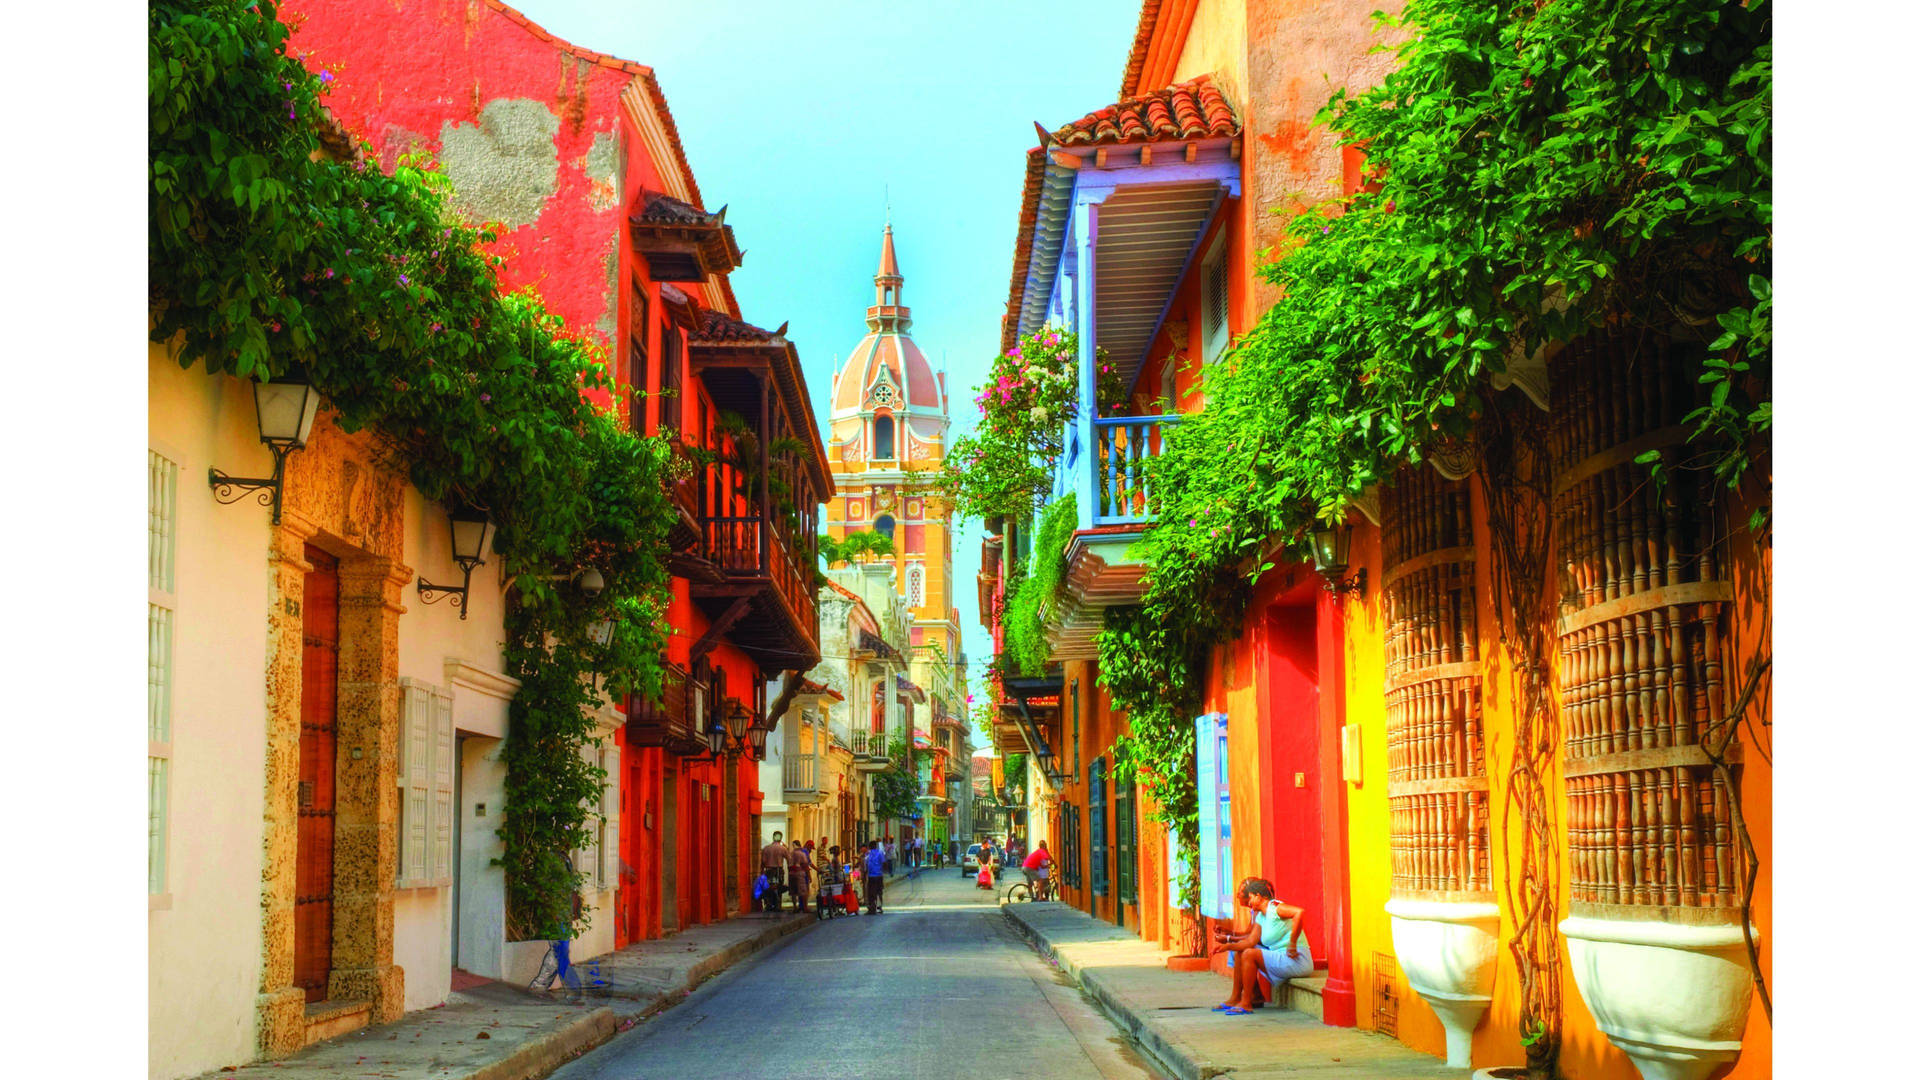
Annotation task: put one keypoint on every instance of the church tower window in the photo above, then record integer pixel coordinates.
(884, 525)
(883, 437)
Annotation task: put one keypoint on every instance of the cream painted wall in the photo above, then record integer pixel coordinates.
(433, 636)
(1216, 45)
(203, 947)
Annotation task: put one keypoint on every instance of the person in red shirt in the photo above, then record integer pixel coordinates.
(1036, 867)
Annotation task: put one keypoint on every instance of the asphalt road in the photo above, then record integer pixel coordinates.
(937, 986)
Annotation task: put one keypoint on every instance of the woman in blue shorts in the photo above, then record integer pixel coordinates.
(1274, 943)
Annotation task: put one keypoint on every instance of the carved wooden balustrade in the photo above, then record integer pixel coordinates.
(1644, 638)
(1436, 751)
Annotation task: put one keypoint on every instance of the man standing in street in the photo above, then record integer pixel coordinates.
(800, 865)
(875, 877)
(773, 863)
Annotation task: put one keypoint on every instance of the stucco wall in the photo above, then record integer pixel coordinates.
(528, 133)
(1216, 45)
(204, 947)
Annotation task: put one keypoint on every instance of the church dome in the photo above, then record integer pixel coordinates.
(886, 369)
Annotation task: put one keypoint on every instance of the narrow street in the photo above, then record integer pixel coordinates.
(938, 985)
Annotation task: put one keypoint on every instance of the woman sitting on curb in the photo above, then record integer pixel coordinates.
(1273, 943)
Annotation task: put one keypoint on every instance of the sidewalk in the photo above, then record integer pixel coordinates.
(1168, 1012)
(500, 1032)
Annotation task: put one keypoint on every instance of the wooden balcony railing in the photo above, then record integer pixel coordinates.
(1122, 494)
(802, 775)
(870, 745)
(668, 722)
(750, 547)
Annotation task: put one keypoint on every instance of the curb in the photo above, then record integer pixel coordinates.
(1179, 1058)
(541, 1056)
(740, 950)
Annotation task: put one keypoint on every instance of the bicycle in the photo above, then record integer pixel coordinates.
(1021, 892)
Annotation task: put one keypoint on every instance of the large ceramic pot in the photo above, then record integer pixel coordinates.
(1447, 950)
(1673, 998)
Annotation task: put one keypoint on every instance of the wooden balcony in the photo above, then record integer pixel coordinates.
(757, 498)
(802, 782)
(1122, 492)
(869, 751)
(667, 723)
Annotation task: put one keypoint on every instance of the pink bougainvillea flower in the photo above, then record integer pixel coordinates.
(486, 399)
(403, 279)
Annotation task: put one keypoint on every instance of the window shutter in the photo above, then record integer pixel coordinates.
(610, 819)
(587, 859)
(415, 763)
(1213, 305)
(1207, 767)
(1097, 825)
(441, 793)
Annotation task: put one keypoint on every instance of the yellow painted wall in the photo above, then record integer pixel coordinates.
(1586, 1053)
(1216, 45)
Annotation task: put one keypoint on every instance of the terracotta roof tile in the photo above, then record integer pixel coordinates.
(1142, 38)
(1193, 109)
(667, 210)
(717, 327)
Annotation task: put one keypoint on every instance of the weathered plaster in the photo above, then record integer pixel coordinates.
(602, 165)
(505, 168)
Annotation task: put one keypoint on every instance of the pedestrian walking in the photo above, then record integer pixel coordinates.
(888, 851)
(773, 863)
(919, 851)
(876, 872)
(800, 875)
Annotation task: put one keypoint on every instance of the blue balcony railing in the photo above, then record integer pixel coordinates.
(1122, 493)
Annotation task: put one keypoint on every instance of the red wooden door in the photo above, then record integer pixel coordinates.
(313, 852)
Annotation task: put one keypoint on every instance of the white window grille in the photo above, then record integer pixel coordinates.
(916, 585)
(163, 476)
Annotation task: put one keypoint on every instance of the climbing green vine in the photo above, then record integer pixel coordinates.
(266, 254)
(1538, 170)
(1028, 596)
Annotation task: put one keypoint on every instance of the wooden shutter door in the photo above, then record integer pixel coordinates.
(415, 794)
(1097, 825)
(441, 789)
(610, 819)
(313, 841)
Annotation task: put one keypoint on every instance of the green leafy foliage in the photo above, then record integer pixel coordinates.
(1028, 597)
(1540, 170)
(1004, 467)
(266, 254)
(856, 547)
(895, 788)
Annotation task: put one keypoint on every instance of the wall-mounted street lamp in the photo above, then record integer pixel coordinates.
(472, 538)
(601, 633)
(738, 721)
(285, 409)
(757, 738)
(1330, 548)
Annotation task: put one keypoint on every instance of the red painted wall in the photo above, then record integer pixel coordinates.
(1290, 722)
(408, 74)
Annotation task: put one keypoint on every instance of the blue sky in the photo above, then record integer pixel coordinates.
(804, 118)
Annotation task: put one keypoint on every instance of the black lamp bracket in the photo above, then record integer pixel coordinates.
(428, 591)
(228, 490)
(1357, 584)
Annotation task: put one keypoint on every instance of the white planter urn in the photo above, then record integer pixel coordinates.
(1672, 997)
(1447, 950)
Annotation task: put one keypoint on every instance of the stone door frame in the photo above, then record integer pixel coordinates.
(338, 501)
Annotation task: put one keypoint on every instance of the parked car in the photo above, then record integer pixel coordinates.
(970, 862)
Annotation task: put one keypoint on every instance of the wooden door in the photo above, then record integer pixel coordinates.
(313, 851)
